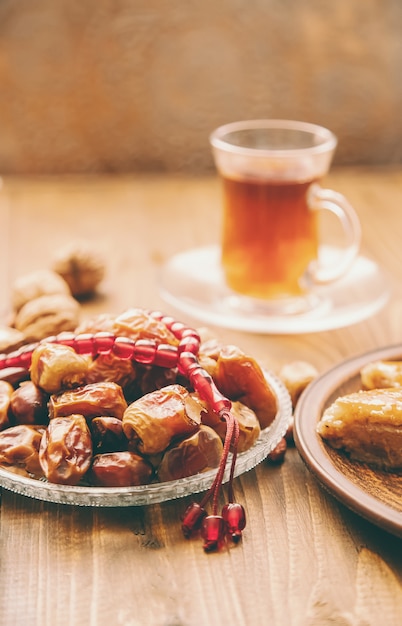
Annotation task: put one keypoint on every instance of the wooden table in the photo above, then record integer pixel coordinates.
(305, 560)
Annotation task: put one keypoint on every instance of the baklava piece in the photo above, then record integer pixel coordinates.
(381, 374)
(367, 425)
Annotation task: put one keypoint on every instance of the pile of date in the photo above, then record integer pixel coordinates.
(102, 420)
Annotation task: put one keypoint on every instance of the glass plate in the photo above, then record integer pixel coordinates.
(157, 492)
(193, 282)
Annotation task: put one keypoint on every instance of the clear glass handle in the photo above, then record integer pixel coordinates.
(336, 203)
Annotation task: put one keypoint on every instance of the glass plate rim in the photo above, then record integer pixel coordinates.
(157, 492)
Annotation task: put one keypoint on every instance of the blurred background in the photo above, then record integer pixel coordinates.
(116, 86)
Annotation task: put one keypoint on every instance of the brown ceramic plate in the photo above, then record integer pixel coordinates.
(373, 494)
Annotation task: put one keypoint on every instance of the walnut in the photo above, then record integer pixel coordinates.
(81, 266)
(47, 315)
(36, 284)
(296, 376)
(10, 339)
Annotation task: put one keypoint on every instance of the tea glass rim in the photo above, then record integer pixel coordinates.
(328, 138)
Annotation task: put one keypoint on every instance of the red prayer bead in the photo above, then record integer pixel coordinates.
(190, 332)
(104, 342)
(51, 339)
(66, 338)
(235, 519)
(168, 321)
(84, 344)
(13, 360)
(189, 344)
(25, 355)
(123, 348)
(186, 360)
(213, 532)
(192, 519)
(207, 390)
(177, 329)
(166, 355)
(144, 351)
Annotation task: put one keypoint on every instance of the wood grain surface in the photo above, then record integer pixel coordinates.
(305, 559)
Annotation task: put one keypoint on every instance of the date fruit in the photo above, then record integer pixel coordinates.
(108, 367)
(249, 426)
(92, 400)
(28, 404)
(6, 391)
(65, 452)
(239, 377)
(55, 367)
(14, 375)
(198, 453)
(134, 323)
(157, 418)
(277, 455)
(107, 434)
(19, 447)
(120, 469)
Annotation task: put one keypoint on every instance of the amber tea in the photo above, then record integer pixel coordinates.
(271, 246)
(269, 236)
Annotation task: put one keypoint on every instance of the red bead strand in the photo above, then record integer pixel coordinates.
(235, 440)
(184, 357)
(228, 417)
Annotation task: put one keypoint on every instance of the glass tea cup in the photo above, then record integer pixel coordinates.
(271, 172)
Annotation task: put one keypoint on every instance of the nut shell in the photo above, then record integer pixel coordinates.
(81, 266)
(10, 339)
(47, 315)
(36, 284)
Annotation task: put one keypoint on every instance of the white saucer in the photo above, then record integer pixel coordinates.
(193, 282)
